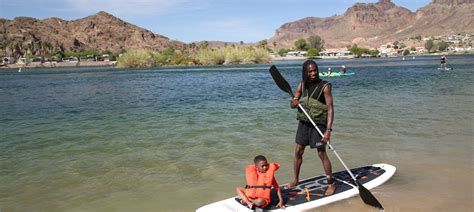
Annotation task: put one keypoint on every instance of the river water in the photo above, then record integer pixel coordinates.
(174, 139)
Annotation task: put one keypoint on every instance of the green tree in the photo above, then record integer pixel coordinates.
(2, 47)
(282, 52)
(16, 49)
(442, 46)
(204, 45)
(262, 44)
(395, 45)
(373, 52)
(313, 52)
(429, 45)
(59, 55)
(316, 42)
(418, 37)
(192, 45)
(406, 52)
(301, 44)
(355, 50)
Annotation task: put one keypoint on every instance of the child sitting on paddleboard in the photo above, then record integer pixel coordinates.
(260, 179)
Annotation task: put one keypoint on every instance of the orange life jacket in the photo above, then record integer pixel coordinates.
(259, 185)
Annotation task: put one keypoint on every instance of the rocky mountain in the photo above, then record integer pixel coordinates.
(102, 32)
(374, 24)
(366, 24)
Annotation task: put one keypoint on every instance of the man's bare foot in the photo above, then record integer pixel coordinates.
(292, 184)
(330, 190)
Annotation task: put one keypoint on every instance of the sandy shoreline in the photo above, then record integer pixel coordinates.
(304, 57)
(113, 63)
(59, 65)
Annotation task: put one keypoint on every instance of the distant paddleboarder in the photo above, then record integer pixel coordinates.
(443, 61)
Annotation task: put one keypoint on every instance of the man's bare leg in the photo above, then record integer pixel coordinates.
(328, 170)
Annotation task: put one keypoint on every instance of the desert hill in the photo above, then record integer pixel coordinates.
(102, 32)
(374, 24)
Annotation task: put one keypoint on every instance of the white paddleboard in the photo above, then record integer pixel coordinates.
(445, 69)
(309, 193)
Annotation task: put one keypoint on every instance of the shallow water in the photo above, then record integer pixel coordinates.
(174, 139)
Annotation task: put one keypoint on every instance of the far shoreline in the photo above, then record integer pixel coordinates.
(112, 64)
(60, 64)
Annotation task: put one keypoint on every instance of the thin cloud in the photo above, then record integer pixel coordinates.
(142, 8)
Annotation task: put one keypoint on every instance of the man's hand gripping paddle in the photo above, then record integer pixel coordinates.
(365, 194)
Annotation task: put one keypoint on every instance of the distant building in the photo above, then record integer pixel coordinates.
(335, 53)
(420, 49)
(71, 59)
(23, 60)
(104, 57)
(298, 54)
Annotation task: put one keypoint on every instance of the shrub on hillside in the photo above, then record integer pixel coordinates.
(137, 59)
(144, 58)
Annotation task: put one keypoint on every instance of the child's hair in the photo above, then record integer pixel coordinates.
(259, 158)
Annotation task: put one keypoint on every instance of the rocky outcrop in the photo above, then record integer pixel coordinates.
(374, 24)
(102, 32)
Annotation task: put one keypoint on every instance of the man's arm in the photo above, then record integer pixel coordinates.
(328, 97)
(295, 101)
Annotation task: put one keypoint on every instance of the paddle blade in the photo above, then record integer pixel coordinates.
(280, 81)
(368, 198)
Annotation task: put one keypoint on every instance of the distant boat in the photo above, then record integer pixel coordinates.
(19, 70)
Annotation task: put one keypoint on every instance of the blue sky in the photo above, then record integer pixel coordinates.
(194, 20)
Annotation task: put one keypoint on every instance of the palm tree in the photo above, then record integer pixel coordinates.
(15, 48)
(3, 46)
(49, 49)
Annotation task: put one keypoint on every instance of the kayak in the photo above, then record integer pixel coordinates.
(309, 193)
(325, 74)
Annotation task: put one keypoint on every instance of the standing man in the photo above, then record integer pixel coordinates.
(317, 101)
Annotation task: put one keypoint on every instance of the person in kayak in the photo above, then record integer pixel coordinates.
(260, 178)
(343, 69)
(443, 61)
(329, 71)
(318, 102)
